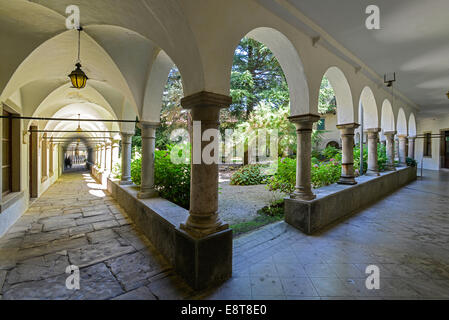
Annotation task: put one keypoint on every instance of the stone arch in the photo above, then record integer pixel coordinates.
(343, 95)
(387, 118)
(412, 125)
(368, 103)
(155, 85)
(291, 64)
(401, 124)
(54, 59)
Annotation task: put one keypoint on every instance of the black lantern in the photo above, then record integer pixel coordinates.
(78, 77)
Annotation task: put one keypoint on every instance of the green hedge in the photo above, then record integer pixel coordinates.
(171, 180)
(248, 175)
(323, 173)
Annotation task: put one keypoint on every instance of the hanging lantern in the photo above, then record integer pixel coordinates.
(79, 130)
(78, 77)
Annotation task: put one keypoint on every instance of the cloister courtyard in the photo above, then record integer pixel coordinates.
(224, 150)
(76, 221)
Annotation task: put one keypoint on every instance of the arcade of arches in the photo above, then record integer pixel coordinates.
(139, 245)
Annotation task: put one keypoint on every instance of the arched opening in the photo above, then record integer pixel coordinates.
(412, 125)
(402, 123)
(370, 115)
(387, 118)
(335, 107)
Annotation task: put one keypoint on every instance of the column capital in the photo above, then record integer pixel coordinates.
(353, 125)
(126, 133)
(390, 133)
(373, 130)
(148, 124)
(402, 136)
(304, 121)
(206, 99)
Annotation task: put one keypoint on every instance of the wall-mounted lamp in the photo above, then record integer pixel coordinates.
(389, 78)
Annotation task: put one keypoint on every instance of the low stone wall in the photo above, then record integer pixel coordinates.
(98, 175)
(336, 201)
(202, 263)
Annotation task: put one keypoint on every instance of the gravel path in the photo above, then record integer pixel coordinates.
(240, 203)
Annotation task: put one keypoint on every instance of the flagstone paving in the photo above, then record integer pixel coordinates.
(77, 223)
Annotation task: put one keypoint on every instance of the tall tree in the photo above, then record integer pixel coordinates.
(256, 76)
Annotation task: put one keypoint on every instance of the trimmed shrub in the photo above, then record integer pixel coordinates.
(411, 162)
(248, 175)
(171, 180)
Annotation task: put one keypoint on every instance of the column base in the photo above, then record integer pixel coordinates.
(306, 196)
(347, 180)
(125, 182)
(147, 194)
(205, 262)
(372, 173)
(199, 233)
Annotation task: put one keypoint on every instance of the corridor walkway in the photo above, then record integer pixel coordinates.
(76, 222)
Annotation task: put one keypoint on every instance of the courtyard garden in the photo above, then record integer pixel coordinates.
(250, 195)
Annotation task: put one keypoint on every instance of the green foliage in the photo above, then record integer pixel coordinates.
(269, 214)
(248, 175)
(325, 173)
(330, 152)
(357, 158)
(381, 156)
(260, 221)
(265, 116)
(136, 170)
(285, 178)
(171, 180)
(411, 162)
(256, 76)
(326, 101)
(117, 170)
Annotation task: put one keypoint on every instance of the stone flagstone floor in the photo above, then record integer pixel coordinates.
(76, 222)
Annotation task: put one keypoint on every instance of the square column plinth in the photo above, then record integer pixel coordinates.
(204, 262)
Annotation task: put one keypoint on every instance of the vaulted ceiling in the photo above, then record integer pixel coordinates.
(413, 41)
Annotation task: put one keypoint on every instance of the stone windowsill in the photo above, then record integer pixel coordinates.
(10, 199)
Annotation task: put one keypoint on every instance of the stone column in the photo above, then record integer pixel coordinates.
(148, 147)
(100, 151)
(103, 157)
(347, 163)
(303, 123)
(204, 110)
(402, 148)
(114, 154)
(373, 138)
(411, 147)
(126, 158)
(108, 158)
(390, 150)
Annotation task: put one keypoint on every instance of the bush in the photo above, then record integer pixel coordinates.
(411, 162)
(171, 180)
(325, 173)
(285, 178)
(136, 171)
(248, 175)
(330, 152)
